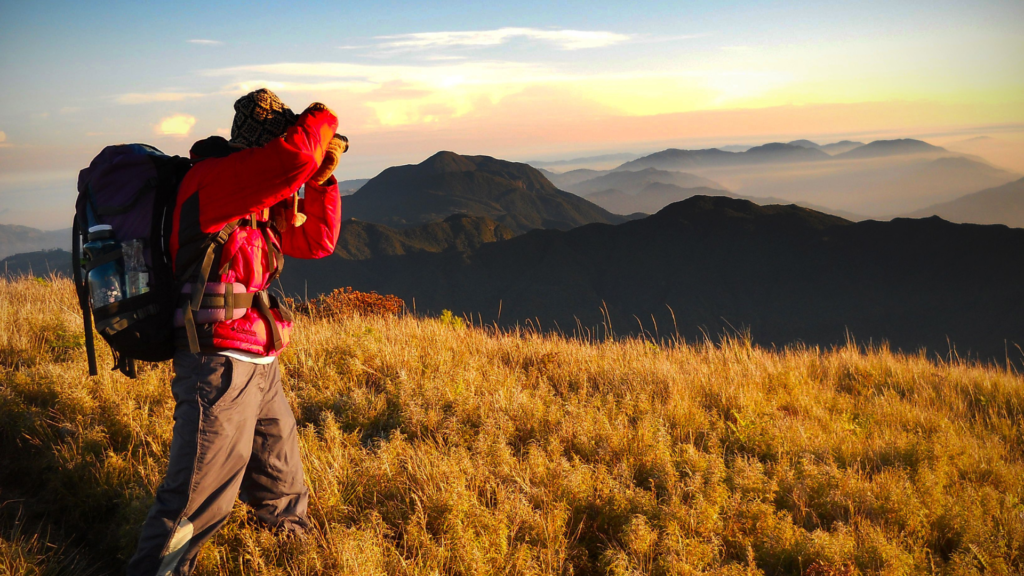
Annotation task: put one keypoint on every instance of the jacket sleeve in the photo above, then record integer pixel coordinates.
(251, 180)
(319, 235)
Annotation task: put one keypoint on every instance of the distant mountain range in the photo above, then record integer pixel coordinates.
(566, 180)
(600, 159)
(673, 159)
(999, 205)
(832, 149)
(513, 194)
(16, 239)
(633, 182)
(787, 273)
(778, 153)
(881, 148)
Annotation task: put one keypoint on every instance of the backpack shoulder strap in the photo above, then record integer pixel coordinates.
(202, 277)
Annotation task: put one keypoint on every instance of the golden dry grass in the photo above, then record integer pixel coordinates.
(432, 448)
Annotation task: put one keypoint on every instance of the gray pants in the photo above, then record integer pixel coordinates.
(234, 434)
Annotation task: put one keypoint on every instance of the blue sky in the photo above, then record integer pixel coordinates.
(517, 80)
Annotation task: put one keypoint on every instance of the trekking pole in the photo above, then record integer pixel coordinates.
(83, 296)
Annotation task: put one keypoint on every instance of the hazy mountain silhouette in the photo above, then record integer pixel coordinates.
(881, 148)
(565, 180)
(832, 149)
(38, 263)
(348, 187)
(513, 194)
(878, 187)
(999, 205)
(651, 198)
(361, 240)
(602, 158)
(840, 147)
(673, 159)
(633, 182)
(788, 273)
(15, 239)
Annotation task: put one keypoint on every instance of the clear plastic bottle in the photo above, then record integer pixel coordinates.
(135, 272)
(105, 281)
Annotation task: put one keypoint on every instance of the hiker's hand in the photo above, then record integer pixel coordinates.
(337, 146)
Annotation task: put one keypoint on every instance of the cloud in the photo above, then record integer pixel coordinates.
(177, 125)
(148, 97)
(565, 39)
(367, 77)
(205, 42)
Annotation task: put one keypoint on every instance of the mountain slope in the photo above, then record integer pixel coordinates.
(16, 239)
(510, 193)
(882, 148)
(601, 159)
(832, 149)
(787, 273)
(774, 153)
(1000, 205)
(840, 147)
(362, 240)
(565, 180)
(633, 182)
(651, 198)
(348, 187)
(39, 263)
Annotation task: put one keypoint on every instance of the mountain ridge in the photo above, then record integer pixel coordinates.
(513, 194)
(789, 274)
(997, 205)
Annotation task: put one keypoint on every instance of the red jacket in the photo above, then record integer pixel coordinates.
(260, 181)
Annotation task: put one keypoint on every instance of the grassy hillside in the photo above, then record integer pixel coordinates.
(435, 448)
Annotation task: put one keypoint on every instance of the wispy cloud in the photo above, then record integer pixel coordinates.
(565, 39)
(177, 125)
(205, 42)
(149, 97)
(363, 77)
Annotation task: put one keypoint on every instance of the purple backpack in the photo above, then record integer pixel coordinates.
(123, 221)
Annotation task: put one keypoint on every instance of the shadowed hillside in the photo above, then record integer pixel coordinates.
(38, 263)
(361, 240)
(515, 195)
(788, 273)
(999, 205)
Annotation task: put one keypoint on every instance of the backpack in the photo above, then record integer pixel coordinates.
(125, 204)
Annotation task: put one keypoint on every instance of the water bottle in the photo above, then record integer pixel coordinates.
(105, 281)
(136, 274)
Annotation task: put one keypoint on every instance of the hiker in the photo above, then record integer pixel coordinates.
(234, 432)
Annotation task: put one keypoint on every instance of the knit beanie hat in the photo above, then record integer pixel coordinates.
(260, 116)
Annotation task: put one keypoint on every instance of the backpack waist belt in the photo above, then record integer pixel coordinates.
(222, 302)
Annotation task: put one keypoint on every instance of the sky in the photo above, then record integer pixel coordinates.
(521, 81)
